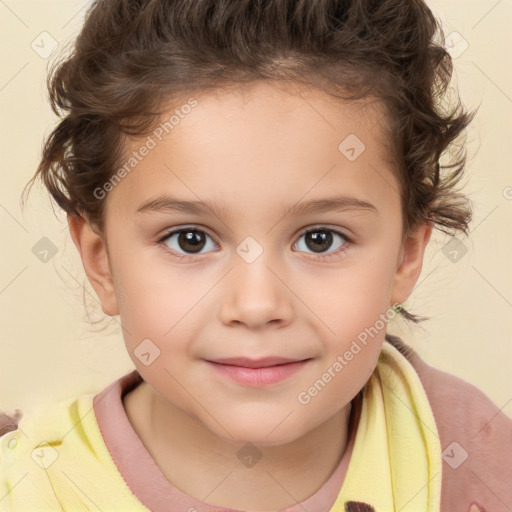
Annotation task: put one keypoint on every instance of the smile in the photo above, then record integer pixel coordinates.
(257, 377)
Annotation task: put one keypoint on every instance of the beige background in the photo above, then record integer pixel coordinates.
(49, 351)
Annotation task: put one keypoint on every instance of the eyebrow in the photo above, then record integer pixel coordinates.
(335, 203)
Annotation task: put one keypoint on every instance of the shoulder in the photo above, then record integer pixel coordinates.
(55, 458)
(25, 455)
(456, 402)
(476, 439)
(36, 445)
(26, 430)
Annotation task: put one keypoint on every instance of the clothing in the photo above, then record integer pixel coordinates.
(88, 457)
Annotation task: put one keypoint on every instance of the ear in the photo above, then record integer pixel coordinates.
(95, 259)
(410, 261)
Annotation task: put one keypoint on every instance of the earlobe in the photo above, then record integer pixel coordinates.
(95, 259)
(410, 262)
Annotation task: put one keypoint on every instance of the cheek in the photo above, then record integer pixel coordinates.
(150, 301)
(164, 306)
(353, 297)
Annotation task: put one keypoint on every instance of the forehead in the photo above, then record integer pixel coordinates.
(268, 142)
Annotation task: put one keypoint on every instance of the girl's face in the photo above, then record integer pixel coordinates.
(243, 278)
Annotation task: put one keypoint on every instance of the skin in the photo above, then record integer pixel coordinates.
(254, 153)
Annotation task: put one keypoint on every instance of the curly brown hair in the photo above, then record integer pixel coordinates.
(133, 57)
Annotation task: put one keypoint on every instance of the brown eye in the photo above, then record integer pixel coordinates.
(319, 241)
(191, 241)
(187, 240)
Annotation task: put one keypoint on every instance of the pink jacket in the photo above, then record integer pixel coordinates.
(476, 439)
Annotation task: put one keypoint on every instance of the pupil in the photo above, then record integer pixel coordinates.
(321, 240)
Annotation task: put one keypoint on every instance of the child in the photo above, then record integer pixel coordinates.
(265, 379)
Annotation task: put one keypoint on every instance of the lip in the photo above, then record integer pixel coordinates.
(261, 372)
(247, 362)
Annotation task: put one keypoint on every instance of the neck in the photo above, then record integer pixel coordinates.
(216, 471)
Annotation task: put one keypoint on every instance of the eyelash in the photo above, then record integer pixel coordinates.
(319, 256)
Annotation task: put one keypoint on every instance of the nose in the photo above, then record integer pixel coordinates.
(255, 295)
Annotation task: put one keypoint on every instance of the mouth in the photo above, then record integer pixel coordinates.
(257, 372)
(263, 362)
